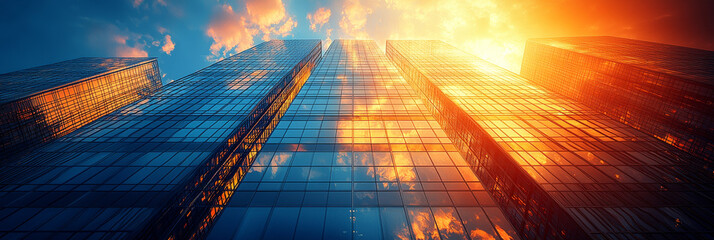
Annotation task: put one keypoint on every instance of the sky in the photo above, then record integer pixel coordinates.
(186, 36)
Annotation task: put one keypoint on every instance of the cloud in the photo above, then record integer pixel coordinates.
(168, 45)
(136, 3)
(234, 30)
(319, 18)
(328, 40)
(286, 28)
(124, 50)
(354, 18)
(269, 17)
(265, 12)
(229, 32)
(162, 30)
(481, 27)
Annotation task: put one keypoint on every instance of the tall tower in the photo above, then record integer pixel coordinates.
(43, 103)
(357, 155)
(663, 90)
(558, 169)
(155, 168)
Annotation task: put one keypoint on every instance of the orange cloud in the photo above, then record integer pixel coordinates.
(319, 18)
(265, 12)
(286, 28)
(123, 50)
(234, 31)
(268, 15)
(229, 32)
(168, 45)
(126, 51)
(354, 18)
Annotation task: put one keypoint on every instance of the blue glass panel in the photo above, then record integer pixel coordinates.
(282, 223)
(394, 223)
(256, 217)
(339, 225)
(310, 223)
(367, 223)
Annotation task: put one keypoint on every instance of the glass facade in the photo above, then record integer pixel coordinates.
(156, 168)
(558, 169)
(358, 156)
(43, 103)
(663, 90)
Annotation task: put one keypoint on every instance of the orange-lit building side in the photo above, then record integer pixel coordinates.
(161, 167)
(48, 115)
(357, 156)
(195, 210)
(663, 90)
(557, 169)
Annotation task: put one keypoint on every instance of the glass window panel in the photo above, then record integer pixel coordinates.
(476, 223)
(339, 225)
(310, 223)
(422, 223)
(282, 223)
(253, 229)
(367, 223)
(394, 223)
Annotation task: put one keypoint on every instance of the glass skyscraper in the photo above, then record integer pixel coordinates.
(358, 156)
(663, 90)
(156, 168)
(558, 169)
(423, 142)
(43, 103)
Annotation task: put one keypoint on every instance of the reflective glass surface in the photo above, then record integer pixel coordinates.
(151, 169)
(43, 103)
(358, 156)
(663, 90)
(558, 169)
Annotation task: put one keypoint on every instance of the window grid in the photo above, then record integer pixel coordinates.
(130, 171)
(663, 90)
(557, 167)
(358, 156)
(44, 103)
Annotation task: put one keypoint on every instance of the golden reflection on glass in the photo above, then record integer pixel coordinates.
(558, 165)
(48, 102)
(368, 161)
(656, 88)
(423, 223)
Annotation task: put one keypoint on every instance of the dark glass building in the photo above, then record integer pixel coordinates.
(557, 169)
(156, 168)
(663, 90)
(43, 103)
(358, 156)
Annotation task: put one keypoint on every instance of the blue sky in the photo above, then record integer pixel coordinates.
(43, 32)
(189, 35)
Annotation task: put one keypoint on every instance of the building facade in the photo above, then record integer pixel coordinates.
(663, 90)
(41, 104)
(558, 169)
(358, 156)
(280, 142)
(156, 168)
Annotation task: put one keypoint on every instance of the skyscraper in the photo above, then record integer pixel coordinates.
(557, 169)
(663, 90)
(358, 156)
(277, 142)
(43, 103)
(153, 169)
